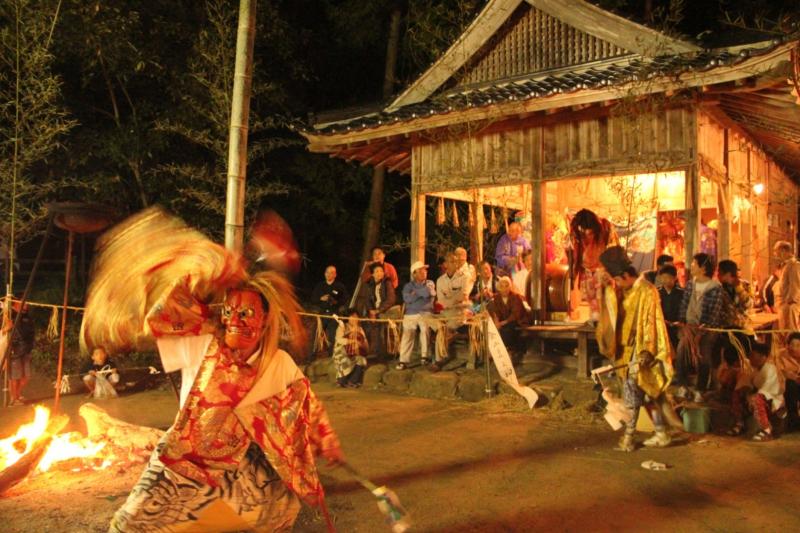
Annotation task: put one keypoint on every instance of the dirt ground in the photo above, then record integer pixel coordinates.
(489, 466)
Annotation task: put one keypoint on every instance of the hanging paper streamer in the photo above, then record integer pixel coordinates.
(52, 326)
(440, 214)
(440, 348)
(481, 218)
(456, 224)
(504, 211)
(494, 228)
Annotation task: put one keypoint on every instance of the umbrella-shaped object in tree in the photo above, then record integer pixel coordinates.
(74, 217)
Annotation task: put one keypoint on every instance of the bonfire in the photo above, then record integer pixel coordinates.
(40, 445)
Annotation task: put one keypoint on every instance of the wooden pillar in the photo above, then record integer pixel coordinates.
(418, 228)
(724, 220)
(747, 228)
(691, 232)
(538, 294)
(724, 204)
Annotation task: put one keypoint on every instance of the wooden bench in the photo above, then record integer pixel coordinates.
(581, 333)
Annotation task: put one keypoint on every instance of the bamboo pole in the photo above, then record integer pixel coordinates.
(240, 114)
(62, 338)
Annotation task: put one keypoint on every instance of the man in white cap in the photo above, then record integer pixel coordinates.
(418, 296)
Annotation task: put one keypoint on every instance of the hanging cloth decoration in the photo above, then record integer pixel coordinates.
(392, 337)
(441, 218)
(470, 216)
(320, 338)
(494, 227)
(504, 212)
(456, 224)
(481, 218)
(53, 325)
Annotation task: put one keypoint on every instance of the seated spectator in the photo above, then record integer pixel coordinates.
(507, 312)
(465, 268)
(378, 297)
(350, 352)
(510, 247)
(789, 365)
(100, 375)
(671, 296)
(418, 296)
(485, 286)
(759, 393)
(328, 296)
(379, 258)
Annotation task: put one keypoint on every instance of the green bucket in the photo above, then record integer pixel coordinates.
(697, 419)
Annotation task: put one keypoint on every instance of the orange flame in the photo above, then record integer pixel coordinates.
(64, 446)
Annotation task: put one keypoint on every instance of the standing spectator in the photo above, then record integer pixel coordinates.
(768, 292)
(671, 295)
(379, 258)
(789, 366)
(653, 275)
(740, 299)
(418, 296)
(521, 278)
(329, 296)
(510, 247)
(789, 301)
(350, 352)
(486, 285)
(703, 305)
(20, 354)
(761, 393)
(507, 312)
(99, 370)
(379, 297)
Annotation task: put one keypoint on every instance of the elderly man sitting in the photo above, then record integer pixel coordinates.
(507, 311)
(418, 295)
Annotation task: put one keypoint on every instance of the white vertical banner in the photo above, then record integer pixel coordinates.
(505, 368)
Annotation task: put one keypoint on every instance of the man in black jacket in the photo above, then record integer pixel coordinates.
(671, 295)
(329, 297)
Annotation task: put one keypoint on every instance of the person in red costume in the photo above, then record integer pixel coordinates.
(590, 235)
(241, 452)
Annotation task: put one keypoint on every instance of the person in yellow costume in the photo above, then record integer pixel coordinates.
(633, 334)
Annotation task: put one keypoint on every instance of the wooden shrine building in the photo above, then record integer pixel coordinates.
(549, 106)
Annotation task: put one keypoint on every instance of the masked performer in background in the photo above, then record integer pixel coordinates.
(240, 454)
(590, 236)
(633, 334)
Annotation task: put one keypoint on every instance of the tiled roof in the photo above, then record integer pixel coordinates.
(618, 73)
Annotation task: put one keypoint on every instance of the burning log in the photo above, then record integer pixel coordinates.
(32, 448)
(101, 425)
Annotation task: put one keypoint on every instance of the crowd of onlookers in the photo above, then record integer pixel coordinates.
(433, 310)
(709, 326)
(708, 322)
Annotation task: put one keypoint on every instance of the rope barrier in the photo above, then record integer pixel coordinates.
(474, 319)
